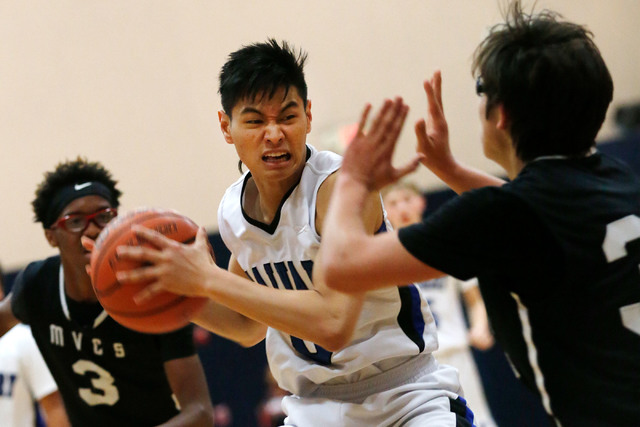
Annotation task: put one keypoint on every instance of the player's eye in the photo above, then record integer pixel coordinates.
(103, 218)
(75, 222)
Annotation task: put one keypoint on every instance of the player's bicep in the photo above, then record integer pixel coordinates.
(372, 212)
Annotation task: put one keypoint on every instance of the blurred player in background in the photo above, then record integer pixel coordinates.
(25, 380)
(405, 205)
(108, 375)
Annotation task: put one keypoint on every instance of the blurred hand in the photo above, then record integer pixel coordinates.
(368, 157)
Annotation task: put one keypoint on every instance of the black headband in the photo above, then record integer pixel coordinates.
(68, 194)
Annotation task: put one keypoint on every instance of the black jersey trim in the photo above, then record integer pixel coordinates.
(269, 228)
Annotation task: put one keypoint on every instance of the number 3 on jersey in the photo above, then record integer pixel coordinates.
(102, 391)
(619, 233)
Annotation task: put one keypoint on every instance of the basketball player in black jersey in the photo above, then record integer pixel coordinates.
(107, 374)
(556, 249)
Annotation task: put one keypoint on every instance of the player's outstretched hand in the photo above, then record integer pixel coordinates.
(433, 132)
(368, 157)
(169, 265)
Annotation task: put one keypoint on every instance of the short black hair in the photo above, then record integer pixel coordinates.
(68, 173)
(260, 69)
(551, 79)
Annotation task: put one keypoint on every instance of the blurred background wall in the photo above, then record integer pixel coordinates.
(134, 85)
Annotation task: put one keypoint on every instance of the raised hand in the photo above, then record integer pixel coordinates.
(433, 132)
(368, 158)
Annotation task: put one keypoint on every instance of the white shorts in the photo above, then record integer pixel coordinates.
(419, 393)
(463, 361)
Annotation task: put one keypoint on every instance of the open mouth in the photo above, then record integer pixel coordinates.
(276, 157)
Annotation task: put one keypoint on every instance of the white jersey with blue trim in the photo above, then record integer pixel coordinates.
(395, 323)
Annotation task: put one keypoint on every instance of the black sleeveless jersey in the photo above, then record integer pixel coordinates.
(557, 254)
(108, 375)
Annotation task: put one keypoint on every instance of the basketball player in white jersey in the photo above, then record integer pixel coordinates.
(347, 360)
(24, 380)
(405, 205)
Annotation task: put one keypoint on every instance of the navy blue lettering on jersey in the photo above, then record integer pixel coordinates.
(6, 384)
(284, 272)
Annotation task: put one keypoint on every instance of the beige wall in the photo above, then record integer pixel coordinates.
(133, 83)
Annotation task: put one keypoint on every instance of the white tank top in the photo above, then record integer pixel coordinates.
(395, 323)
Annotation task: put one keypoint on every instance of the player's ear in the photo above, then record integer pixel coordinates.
(307, 112)
(225, 126)
(51, 238)
(504, 121)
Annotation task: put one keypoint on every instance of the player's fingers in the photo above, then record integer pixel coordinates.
(363, 118)
(202, 240)
(437, 88)
(433, 107)
(409, 167)
(141, 254)
(136, 275)
(147, 293)
(88, 243)
(379, 122)
(395, 124)
(156, 239)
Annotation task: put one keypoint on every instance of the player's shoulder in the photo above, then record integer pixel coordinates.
(322, 161)
(38, 271)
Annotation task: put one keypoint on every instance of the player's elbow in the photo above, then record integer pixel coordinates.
(336, 271)
(251, 336)
(335, 333)
(200, 414)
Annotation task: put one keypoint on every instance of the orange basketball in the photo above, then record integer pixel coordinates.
(165, 312)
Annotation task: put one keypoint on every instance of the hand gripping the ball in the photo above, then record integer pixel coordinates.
(171, 266)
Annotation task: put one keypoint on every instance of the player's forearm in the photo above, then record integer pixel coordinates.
(230, 324)
(193, 415)
(461, 178)
(344, 233)
(305, 314)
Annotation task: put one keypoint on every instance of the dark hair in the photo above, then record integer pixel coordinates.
(260, 69)
(69, 173)
(551, 79)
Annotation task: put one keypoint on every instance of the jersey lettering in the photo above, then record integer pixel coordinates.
(6, 384)
(618, 234)
(292, 275)
(118, 349)
(56, 335)
(102, 390)
(77, 339)
(97, 346)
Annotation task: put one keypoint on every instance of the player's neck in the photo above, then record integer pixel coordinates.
(77, 285)
(262, 201)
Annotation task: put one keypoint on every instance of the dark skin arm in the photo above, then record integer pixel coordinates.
(187, 380)
(53, 410)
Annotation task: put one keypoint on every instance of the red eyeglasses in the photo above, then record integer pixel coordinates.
(77, 223)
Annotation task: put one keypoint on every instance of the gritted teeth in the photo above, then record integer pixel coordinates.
(276, 156)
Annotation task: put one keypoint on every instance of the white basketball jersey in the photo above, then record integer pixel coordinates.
(395, 323)
(444, 297)
(24, 378)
